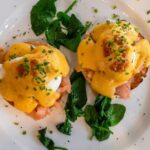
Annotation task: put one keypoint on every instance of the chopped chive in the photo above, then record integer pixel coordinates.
(47, 93)
(126, 73)
(13, 56)
(46, 63)
(108, 21)
(115, 16)
(42, 88)
(50, 51)
(114, 7)
(51, 132)
(57, 70)
(121, 50)
(24, 132)
(43, 51)
(136, 29)
(24, 33)
(16, 123)
(14, 37)
(148, 12)
(95, 10)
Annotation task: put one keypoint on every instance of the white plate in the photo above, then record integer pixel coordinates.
(132, 133)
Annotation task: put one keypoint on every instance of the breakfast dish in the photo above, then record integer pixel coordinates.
(114, 58)
(34, 75)
(76, 81)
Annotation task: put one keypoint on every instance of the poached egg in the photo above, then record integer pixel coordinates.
(31, 76)
(111, 55)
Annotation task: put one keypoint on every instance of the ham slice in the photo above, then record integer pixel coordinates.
(65, 86)
(124, 90)
(39, 113)
(138, 78)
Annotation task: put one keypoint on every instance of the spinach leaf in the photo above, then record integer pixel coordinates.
(98, 129)
(75, 75)
(102, 104)
(77, 98)
(63, 18)
(90, 115)
(71, 43)
(47, 142)
(68, 35)
(42, 14)
(115, 114)
(75, 29)
(65, 127)
(74, 26)
(59, 27)
(102, 115)
(53, 33)
(101, 133)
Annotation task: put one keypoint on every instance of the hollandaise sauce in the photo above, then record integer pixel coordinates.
(114, 52)
(32, 75)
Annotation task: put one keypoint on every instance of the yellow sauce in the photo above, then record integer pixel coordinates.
(91, 55)
(28, 91)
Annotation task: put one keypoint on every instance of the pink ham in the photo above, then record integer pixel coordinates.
(65, 86)
(123, 91)
(39, 113)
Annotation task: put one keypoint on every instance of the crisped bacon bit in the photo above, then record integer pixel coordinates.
(2, 55)
(33, 63)
(125, 54)
(65, 86)
(138, 78)
(106, 48)
(39, 113)
(123, 91)
(118, 66)
(21, 70)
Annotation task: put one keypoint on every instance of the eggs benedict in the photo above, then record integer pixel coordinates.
(33, 77)
(114, 58)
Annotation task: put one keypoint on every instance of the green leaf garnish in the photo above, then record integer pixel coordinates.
(54, 34)
(77, 98)
(71, 6)
(115, 114)
(65, 127)
(102, 115)
(59, 27)
(47, 142)
(42, 15)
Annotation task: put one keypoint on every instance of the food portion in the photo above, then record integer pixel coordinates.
(33, 77)
(60, 27)
(114, 58)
